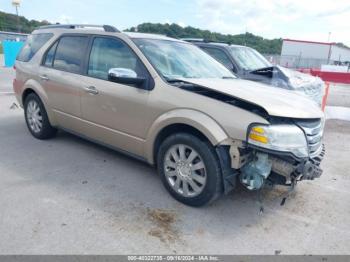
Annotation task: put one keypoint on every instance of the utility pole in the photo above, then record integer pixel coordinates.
(329, 36)
(16, 4)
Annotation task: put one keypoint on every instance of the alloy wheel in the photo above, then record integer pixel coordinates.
(185, 170)
(34, 116)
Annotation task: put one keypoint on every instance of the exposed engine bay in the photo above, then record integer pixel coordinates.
(270, 168)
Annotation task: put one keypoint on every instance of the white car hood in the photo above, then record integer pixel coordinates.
(310, 86)
(298, 79)
(276, 102)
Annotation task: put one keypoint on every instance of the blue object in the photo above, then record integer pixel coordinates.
(11, 49)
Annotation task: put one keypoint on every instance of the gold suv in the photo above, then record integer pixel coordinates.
(167, 102)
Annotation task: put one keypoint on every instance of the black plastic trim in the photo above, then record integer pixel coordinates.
(106, 28)
(229, 175)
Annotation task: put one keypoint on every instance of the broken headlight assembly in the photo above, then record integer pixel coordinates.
(279, 137)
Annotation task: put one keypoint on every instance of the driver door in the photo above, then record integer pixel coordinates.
(114, 113)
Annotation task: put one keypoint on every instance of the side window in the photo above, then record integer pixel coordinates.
(107, 53)
(70, 53)
(32, 46)
(219, 55)
(50, 55)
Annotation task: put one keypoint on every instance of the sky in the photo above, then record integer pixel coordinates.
(315, 20)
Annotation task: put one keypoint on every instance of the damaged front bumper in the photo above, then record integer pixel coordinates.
(279, 168)
(285, 170)
(255, 167)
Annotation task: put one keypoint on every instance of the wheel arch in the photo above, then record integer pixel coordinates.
(34, 87)
(182, 120)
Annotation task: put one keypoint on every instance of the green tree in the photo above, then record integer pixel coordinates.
(9, 22)
(259, 43)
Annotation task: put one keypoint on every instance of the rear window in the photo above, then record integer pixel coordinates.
(32, 46)
(70, 53)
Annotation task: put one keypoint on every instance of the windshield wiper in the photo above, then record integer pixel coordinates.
(181, 83)
(174, 80)
(177, 80)
(228, 77)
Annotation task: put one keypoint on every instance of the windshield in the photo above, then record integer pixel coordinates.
(173, 60)
(248, 58)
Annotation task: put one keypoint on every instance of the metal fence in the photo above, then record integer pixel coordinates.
(12, 36)
(297, 62)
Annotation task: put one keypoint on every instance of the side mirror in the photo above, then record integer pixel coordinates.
(125, 76)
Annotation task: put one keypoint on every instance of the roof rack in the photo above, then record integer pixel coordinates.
(193, 39)
(106, 28)
(201, 40)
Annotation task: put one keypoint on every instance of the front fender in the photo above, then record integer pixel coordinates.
(198, 120)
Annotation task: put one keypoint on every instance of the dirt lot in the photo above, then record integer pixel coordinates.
(68, 195)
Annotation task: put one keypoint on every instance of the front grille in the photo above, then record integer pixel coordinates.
(313, 130)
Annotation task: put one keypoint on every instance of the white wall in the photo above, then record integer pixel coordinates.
(340, 52)
(305, 50)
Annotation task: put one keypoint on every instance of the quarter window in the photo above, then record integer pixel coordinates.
(32, 46)
(107, 53)
(70, 53)
(50, 55)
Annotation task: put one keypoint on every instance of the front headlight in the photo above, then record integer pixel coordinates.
(280, 137)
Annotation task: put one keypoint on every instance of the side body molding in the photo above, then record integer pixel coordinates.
(196, 119)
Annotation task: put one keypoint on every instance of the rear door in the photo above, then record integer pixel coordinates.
(60, 75)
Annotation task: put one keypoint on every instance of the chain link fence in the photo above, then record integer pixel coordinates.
(297, 62)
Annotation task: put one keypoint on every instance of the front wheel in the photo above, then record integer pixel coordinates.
(36, 118)
(189, 169)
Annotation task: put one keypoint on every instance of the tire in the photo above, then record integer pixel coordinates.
(190, 179)
(36, 118)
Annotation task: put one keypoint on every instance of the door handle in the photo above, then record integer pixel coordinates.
(91, 90)
(44, 78)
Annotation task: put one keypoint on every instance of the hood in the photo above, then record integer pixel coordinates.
(277, 102)
(298, 80)
(304, 84)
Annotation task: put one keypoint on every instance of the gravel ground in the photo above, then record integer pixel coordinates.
(339, 95)
(70, 196)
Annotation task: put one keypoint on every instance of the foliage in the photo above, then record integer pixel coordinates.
(1, 51)
(263, 45)
(10, 23)
(342, 45)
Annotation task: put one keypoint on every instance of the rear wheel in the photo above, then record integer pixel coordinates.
(189, 169)
(36, 118)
